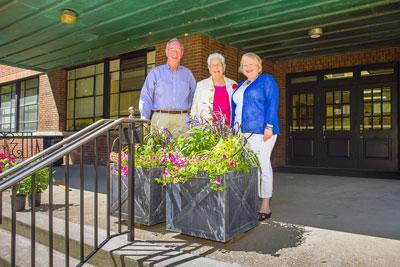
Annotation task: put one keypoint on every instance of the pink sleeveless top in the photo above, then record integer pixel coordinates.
(221, 106)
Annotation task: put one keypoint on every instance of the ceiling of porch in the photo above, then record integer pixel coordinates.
(32, 36)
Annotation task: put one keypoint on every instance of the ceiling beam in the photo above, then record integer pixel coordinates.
(369, 35)
(328, 24)
(165, 30)
(36, 14)
(358, 48)
(7, 4)
(114, 33)
(25, 38)
(328, 33)
(390, 38)
(310, 18)
(92, 27)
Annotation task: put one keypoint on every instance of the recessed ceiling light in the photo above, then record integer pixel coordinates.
(68, 16)
(315, 33)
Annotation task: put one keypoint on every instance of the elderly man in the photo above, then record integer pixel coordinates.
(168, 90)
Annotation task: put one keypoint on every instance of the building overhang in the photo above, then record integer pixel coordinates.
(33, 37)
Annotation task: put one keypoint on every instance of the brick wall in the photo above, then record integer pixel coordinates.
(197, 50)
(8, 73)
(52, 95)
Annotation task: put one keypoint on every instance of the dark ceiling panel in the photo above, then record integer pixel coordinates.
(31, 35)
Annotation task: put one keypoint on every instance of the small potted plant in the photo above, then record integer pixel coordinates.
(41, 184)
(22, 191)
(7, 161)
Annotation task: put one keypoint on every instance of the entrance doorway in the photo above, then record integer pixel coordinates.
(344, 118)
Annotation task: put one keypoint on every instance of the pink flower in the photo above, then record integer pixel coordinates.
(232, 164)
(234, 86)
(113, 158)
(124, 156)
(163, 159)
(218, 181)
(153, 157)
(165, 174)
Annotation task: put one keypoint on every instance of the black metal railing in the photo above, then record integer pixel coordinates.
(125, 130)
(21, 145)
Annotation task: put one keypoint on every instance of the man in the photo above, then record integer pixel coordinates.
(167, 92)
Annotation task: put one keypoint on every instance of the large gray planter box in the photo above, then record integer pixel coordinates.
(149, 196)
(195, 209)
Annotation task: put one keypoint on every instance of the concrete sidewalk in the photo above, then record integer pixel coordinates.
(317, 220)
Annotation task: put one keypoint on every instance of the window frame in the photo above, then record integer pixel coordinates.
(17, 127)
(106, 85)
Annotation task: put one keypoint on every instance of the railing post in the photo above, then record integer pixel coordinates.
(131, 181)
(1, 207)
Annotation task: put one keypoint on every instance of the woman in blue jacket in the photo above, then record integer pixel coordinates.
(255, 113)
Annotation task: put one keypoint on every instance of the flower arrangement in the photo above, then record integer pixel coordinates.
(210, 149)
(6, 161)
(148, 154)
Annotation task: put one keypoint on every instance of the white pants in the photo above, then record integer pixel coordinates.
(263, 151)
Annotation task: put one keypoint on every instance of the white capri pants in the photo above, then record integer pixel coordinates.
(263, 151)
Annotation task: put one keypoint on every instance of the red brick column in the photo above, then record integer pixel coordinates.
(52, 101)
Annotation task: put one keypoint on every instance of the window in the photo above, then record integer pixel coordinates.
(8, 104)
(377, 72)
(126, 80)
(304, 79)
(302, 112)
(336, 76)
(27, 106)
(377, 108)
(337, 116)
(85, 91)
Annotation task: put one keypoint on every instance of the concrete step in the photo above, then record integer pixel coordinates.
(117, 252)
(23, 252)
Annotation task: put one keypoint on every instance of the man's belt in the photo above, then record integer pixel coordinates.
(171, 111)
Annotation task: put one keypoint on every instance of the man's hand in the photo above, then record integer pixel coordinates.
(267, 134)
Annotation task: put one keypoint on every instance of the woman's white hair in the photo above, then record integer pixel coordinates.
(216, 56)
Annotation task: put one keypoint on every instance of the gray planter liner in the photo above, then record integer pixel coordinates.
(149, 196)
(195, 209)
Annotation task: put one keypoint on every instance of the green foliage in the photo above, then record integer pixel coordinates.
(41, 183)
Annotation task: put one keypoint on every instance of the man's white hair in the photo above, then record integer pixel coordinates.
(173, 40)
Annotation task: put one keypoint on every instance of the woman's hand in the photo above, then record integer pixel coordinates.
(267, 134)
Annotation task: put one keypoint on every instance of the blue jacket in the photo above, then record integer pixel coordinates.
(260, 105)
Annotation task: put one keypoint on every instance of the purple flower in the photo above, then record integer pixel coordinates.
(163, 159)
(223, 156)
(218, 181)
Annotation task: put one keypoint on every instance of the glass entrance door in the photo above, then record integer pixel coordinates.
(302, 130)
(378, 143)
(338, 145)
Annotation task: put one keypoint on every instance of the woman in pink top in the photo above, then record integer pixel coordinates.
(212, 97)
